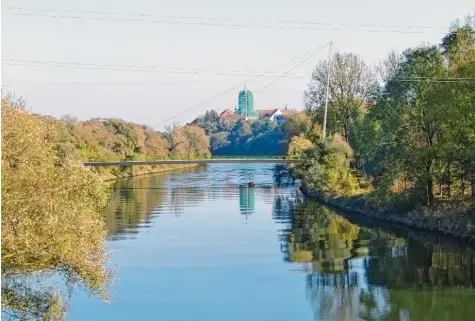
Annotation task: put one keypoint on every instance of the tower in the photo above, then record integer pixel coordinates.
(246, 104)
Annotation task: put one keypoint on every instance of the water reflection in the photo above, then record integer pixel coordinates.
(131, 205)
(134, 202)
(359, 272)
(351, 270)
(247, 200)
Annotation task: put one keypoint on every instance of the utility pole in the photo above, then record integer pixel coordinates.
(324, 134)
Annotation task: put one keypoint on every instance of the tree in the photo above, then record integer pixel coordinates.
(211, 116)
(351, 84)
(263, 126)
(51, 219)
(244, 129)
(300, 123)
(198, 142)
(459, 45)
(412, 120)
(298, 145)
(297, 123)
(219, 141)
(173, 137)
(389, 67)
(459, 96)
(327, 169)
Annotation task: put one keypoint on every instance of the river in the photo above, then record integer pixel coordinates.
(199, 245)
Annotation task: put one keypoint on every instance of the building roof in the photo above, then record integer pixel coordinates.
(226, 112)
(231, 117)
(228, 115)
(266, 112)
(288, 112)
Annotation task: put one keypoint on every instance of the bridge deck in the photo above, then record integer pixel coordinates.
(198, 161)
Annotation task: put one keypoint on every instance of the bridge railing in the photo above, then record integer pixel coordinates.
(192, 161)
(255, 157)
(130, 159)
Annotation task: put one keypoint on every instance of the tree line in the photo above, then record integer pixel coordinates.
(52, 206)
(406, 127)
(252, 137)
(116, 139)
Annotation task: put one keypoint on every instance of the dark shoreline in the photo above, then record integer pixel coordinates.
(391, 220)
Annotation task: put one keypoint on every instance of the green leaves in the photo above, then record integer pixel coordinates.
(415, 132)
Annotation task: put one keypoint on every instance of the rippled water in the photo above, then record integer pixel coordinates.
(200, 245)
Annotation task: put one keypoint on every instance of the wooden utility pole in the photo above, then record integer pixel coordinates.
(324, 134)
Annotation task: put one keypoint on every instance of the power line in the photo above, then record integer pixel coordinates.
(242, 84)
(128, 66)
(176, 70)
(103, 82)
(435, 80)
(270, 25)
(285, 73)
(219, 18)
(75, 65)
(432, 78)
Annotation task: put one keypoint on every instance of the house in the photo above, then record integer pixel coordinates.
(269, 114)
(225, 119)
(228, 116)
(277, 115)
(225, 113)
(285, 113)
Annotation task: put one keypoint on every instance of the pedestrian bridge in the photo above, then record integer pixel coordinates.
(257, 160)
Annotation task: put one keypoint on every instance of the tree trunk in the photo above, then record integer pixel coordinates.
(347, 133)
(449, 178)
(430, 191)
(430, 184)
(463, 188)
(473, 187)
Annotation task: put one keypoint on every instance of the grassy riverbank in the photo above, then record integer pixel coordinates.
(454, 221)
(328, 177)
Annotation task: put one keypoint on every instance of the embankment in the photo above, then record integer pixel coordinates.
(459, 223)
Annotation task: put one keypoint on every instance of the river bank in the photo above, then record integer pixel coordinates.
(459, 223)
(190, 226)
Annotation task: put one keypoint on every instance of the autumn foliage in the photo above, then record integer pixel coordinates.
(51, 218)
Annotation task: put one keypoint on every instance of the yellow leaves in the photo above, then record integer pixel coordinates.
(51, 217)
(338, 143)
(301, 256)
(298, 145)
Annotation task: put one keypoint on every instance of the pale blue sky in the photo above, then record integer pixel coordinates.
(151, 97)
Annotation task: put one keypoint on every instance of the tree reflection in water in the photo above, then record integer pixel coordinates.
(356, 272)
(131, 204)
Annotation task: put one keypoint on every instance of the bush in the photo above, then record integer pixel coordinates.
(327, 170)
(51, 218)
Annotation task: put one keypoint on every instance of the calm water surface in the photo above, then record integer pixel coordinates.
(199, 245)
